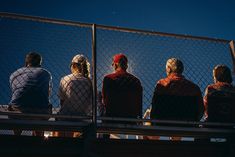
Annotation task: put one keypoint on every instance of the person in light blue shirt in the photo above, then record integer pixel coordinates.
(31, 86)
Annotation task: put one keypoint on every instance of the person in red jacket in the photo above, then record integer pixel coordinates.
(175, 97)
(222, 87)
(178, 90)
(122, 91)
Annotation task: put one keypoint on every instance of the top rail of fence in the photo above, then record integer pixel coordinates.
(81, 24)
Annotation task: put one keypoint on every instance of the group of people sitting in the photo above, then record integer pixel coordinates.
(174, 98)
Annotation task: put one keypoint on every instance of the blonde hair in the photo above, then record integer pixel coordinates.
(82, 64)
(175, 65)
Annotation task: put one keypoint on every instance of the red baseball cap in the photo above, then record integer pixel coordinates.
(119, 58)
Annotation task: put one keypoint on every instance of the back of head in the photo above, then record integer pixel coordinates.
(222, 73)
(120, 60)
(80, 62)
(174, 65)
(33, 59)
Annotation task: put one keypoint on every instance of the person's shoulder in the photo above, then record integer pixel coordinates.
(83, 79)
(65, 80)
(163, 81)
(86, 81)
(22, 69)
(71, 77)
(211, 86)
(193, 86)
(132, 75)
(17, 72)
(189, 82)
(110, 76)
(127, 74)
(44, 70)
(218, 89)
(67, 77)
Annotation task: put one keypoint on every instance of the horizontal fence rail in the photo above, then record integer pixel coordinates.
(80, 24)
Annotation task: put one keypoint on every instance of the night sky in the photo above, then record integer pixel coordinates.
(212, 18)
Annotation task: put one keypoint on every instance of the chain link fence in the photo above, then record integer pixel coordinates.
(147, 52)
(57, 44)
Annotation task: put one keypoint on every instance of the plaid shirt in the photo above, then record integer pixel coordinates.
(75, 94)
(224, 87)
(30, 89)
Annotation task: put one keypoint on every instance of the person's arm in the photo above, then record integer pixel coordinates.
(141, 101)
(10, 82)
(104, 96)
(201, 106)
(50, 86)
(205, 100)
(147, 114)
(11, 79)
(61, 92)
(154, 100)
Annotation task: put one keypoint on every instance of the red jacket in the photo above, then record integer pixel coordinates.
(122, 95)
(224, 87)
(173, 86)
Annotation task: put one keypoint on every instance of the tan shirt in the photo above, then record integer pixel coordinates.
(75, 93)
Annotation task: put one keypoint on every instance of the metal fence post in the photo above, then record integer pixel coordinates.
(232, 49)
(94, 79)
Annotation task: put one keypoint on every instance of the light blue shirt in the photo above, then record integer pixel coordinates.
(30, 87)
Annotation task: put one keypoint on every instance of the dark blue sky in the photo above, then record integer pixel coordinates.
(212, 18)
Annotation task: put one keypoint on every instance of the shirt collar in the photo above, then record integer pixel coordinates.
(77, 74)
(120, 71)
(223, 84)
(175, 76)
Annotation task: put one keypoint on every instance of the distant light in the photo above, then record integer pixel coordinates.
(46, 135)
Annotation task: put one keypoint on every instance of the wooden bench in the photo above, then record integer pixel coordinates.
(92, 146)
(89, 145)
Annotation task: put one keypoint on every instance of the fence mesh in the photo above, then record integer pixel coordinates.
(57, 44)
(147, 54)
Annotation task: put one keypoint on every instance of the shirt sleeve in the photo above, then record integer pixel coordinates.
(205, 100)
(61, 92)
(154, 100)
(104, 90)
(50, 85)
(10, 81)
(201, 105)
(141, 99)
